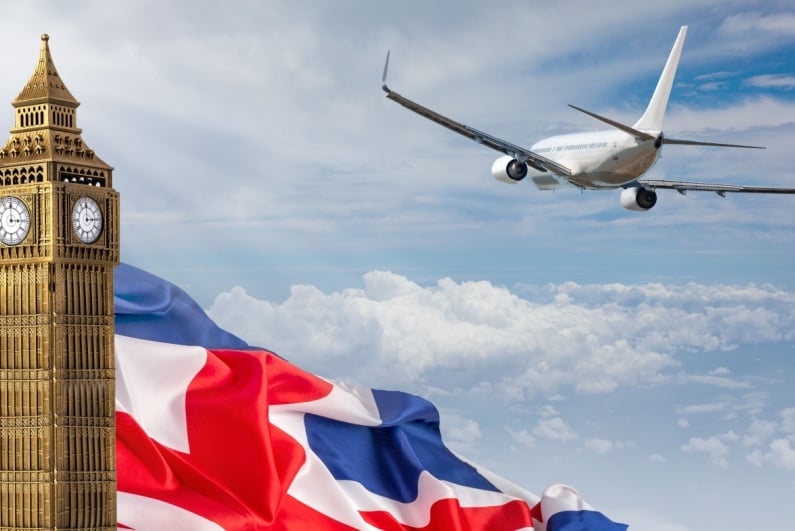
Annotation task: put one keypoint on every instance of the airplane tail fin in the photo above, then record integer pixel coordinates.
(652, 119)
(649, 127)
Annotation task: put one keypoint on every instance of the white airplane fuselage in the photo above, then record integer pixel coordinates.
(598, 160)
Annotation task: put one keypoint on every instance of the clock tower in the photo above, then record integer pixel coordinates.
(59, 243)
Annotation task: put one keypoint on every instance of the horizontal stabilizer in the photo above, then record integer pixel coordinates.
(679, 142)
(645, 136)
(618, 125)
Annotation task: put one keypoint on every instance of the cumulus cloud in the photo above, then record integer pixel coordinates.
(555, 429)
(716, 449)
(548, 411)
(759, 431)
(767, 442)
(772, 441)
(523, 437)
(780, 453)
(459, 432)
(590, 339)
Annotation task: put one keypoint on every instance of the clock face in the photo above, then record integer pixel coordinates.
(14, 220)
(87, 219)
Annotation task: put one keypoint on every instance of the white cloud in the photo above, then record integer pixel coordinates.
(772, 81)
(788, 420)
(780, 453)
(717, 381)
(555, 429)
(712, 446)
(768, 448)
(602, 337)
(774, 23)
(605, 446)
(767, 441)
(708, 407)
(730, 436)
(752, 403)
(599, 446)
(459, 432)
(759, 432)
(523, 437)
(548, 411)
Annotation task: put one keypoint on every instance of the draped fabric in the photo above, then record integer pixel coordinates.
(215, 434)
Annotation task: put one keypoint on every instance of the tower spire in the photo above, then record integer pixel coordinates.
(45, 85)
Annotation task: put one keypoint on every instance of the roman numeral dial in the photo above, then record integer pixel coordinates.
(14, 220)
(87, 220)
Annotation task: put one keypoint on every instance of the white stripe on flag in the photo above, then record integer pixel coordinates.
(145, 514)
(151, 383)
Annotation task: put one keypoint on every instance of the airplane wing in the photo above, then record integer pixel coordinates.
(720, 189)
(521, 154)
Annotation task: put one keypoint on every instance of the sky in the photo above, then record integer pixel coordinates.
(644, 358)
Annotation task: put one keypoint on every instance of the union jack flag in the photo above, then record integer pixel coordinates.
(214, 434)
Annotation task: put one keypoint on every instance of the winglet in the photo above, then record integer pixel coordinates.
(383, 78)
(652, 119)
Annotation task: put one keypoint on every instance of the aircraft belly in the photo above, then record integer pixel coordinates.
(625, 169)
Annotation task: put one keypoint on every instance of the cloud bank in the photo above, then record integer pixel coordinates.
(522, 342)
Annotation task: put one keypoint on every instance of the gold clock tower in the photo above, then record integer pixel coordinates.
(59, 243)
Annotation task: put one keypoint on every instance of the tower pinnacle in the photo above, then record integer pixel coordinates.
(45, 85)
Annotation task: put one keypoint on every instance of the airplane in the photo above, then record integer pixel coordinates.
(601, 160)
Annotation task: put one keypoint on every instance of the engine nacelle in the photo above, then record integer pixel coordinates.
(508, 170)
(638, 198)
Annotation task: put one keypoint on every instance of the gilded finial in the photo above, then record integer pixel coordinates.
(45, 37)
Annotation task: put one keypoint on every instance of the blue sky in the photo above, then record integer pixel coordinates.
(645, 358)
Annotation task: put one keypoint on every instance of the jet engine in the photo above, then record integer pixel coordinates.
(508, 170)
(638, 198)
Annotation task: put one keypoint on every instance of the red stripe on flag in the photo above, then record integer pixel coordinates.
(297, 516)
(239, 466)
(448, 514)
